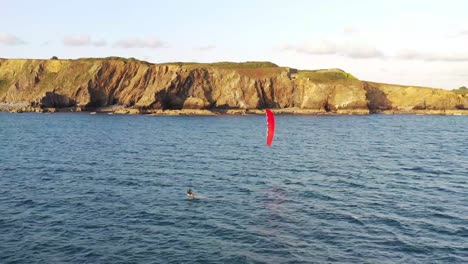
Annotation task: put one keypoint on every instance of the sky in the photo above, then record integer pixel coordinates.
(408, 42)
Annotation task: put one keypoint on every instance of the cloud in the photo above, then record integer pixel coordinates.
(99, 43)
(348, 49)
(463, 32)
(77, 41)
(83, 40)
(361, 51)
(432, 56)
(130, 43)
(10, 40)
(457, 34)
(205, 48)
(322, 47)
(348, 31)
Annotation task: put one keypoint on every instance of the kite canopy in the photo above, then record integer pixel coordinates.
(270, 127)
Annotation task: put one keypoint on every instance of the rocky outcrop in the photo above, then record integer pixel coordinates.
(139, 87)
(405, 98)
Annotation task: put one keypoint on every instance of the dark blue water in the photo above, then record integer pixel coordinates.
(79, 188)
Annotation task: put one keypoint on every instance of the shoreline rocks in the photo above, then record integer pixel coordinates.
(211, 112)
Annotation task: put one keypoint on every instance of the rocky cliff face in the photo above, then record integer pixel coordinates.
(90, 83)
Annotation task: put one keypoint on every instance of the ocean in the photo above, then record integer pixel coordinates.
(81, 188)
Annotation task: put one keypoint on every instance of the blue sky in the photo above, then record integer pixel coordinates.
(407, 42)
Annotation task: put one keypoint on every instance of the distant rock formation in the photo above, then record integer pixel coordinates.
(133, 86)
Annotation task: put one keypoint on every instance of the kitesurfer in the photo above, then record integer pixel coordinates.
(190, 193)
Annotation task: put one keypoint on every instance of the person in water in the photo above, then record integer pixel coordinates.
(190, 193)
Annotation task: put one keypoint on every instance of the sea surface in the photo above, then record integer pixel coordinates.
(81, 188)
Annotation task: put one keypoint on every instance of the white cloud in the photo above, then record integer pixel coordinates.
(99, 43)
(456, 34)
(77, 41)
(322, 47)
(433, 56)
(390, 44)
(362, 51)
(83, 40)
(10, 40)
(350, 49)
(130, 43)
(463, 32)
(205, 48)
(349, 31)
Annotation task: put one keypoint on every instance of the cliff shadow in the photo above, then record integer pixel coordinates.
(377, 99)
(53, 100)
(266, 100)
(168, 100)
(182, 93)
(162, 101)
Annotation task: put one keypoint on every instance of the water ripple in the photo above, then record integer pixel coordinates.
(80, 188)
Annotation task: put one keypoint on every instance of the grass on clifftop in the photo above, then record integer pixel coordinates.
(462, 90)
(227, 64)
(221, 65)
(253, 69)
(325, 75)
(115, 58)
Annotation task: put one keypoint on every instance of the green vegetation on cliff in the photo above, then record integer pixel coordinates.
(113, 58)
(254, 69)
(227, 64)
(462, 90)
(325, 75)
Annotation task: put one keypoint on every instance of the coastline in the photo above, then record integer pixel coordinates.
(118, 109)
(125, 86)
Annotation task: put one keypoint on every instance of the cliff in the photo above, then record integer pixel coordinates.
(129, 85)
